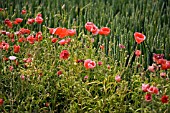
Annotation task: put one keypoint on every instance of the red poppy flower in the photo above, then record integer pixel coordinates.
(30, 20)
(38, 36)
(89, 26)
(153, 89)
(148, 97)
(100, 63)
(156, 57)
(164, 99)
(1, 101)
(51, 30)
(39, 19)
(59, 73)
(18, 20)
(137, 53)
(4, 45)
(8, 23)
(21, 39)
(24, 31)
(16, 49)
(165, 64)
(89, 64)
(108, 66)
(139, 37)
(104, 31)
(61, 32)
(31, 39)
(23, 12)
(64, 54)
(71, 32)
(54, 40)
(1, 9)
(102, 47)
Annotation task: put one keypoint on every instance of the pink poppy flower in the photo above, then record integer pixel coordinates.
(154, 90)
(145, 87)
(71, 32)
(89, 26)
(4, 45)
(89, 64)
(117, 78)
(137, 53)
(30, 20)
(86, 77)
(22, 77)
(139, 37)
(64, 54)
(162, 74)
(94, 30)
(11, 68)
(62, 42)
(121, 46)
(151, 68)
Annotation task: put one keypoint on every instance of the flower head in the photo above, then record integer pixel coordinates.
(12, 57)
(64, 54)
(145, 87)
(104, 31)
(148, 97)
(117, 78)
(89, 64)
(23, 11)
(39, 19)
(164, 99)
(16, 49)
(139, 37)
(137, 53)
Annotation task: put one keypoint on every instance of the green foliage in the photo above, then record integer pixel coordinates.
(43, 90)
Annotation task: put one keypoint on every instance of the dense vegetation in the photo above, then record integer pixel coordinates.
(51, 62)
